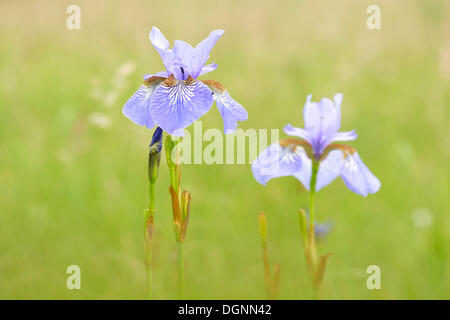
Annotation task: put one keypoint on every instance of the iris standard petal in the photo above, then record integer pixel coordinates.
(160, 43)
(203, 49)
(186, 58)
(137, 108)
(274, 162)
(176, 104)
(357, 176)
(329, 169)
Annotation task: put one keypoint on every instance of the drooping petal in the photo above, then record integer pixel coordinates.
(304, 174)
(357, 176)
(170, 61)
(208, 68)
(297, 132)
(329, 170)
(230, 110)
(203, 49)
(177, 104)
(137, 108)
(274, 162)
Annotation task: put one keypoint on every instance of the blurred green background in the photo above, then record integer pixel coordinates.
(73, 168)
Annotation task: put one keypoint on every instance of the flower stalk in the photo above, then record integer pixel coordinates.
(272, 281)
(316, 266)
(154, 158)
(181, 207)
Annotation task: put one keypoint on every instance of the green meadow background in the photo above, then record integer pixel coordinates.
(73, 168)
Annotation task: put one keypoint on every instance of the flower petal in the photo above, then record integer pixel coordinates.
(276, 161)
(322, 121)
(304, 174)
(158, 74)
(137, 108)
(344, 136)
(178, 105)
(170, 61)
(297, 132)
(187, 59)
(357, 176)
(204, 48)
(208, 68)
(329, 170)
(230, 110)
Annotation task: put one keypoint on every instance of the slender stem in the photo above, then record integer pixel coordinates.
(180, 260)
(148, 238)
(268, 277)
(312, 237)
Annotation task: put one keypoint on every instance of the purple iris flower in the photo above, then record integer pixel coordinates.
(294, 157)
(174, 99)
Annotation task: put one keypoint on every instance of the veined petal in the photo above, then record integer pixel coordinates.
(176, 104)
(170, 61)
(274, 162)
(208, 68)
(357, 176)
(329, 170)
(297, 132)
(304, 174)
(230, 110)
(137, 108)
(203, 49)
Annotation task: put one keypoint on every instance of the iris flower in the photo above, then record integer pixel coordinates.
(294, 157)
(175, 98)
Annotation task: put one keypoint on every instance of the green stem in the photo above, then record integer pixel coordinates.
(148, 239)
(312, 193)
(312, 237)
(180, 260)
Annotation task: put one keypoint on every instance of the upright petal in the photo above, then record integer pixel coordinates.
(137, 108)
(274, 162)
(176, 104)
(186, 57)
(160, 43)
(357, 176)
(203, 49)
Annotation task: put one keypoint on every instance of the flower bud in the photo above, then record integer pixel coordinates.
(154, 155)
